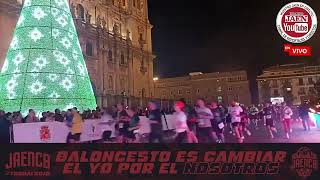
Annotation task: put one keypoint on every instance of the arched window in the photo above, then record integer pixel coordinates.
(81, 12)
(110, 56)
(89, 49)
(122, 84)
(138, 4)
(110, 82)
(134, 3)
(122, 61)
(143, 93)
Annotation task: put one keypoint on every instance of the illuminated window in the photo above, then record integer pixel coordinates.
(110, 56)
(301, 81)
(122, 84)
(138, 4)
(310, 80)
(89, 49)
(274, 83)
(122, 60)
(143, 93)
(81, 12)
(110, 82)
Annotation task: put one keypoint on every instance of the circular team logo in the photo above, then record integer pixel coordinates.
(296, 22)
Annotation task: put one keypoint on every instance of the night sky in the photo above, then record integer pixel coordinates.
(221, 35)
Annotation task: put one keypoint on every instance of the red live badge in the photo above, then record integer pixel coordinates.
(297, 50)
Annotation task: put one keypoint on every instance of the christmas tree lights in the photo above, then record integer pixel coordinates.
(44, 67)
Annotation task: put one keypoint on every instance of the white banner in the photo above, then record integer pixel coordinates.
(40, 132)
(57, 132)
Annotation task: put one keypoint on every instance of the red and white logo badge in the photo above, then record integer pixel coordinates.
(296, 22)
(305, 162)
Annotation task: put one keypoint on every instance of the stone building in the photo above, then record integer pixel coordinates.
(293, 82)
(115, 37)
(218, 86)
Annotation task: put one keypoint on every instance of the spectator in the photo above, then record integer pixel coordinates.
(44, 116)
(57, 115)
(17, 117)
(4, 128)
(31, 117)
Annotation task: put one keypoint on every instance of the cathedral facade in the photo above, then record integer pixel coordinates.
(115, 37)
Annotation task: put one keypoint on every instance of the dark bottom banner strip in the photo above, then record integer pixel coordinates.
(159, 161)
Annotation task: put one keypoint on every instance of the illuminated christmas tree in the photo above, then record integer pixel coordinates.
(44, 67)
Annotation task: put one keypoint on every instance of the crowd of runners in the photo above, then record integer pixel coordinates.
(202, 123)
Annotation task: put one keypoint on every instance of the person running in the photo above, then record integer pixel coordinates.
(254, 115)
(235, 114)
(69, 117)
(218, 121)
(134, 125)
(244, 122)
(204, 116)
(304, 115)
(123, 122)
(191, 117)
(107, 125)
(269, 115)
(76, 127)
(155, 118)
(180, 119)
(287, 114)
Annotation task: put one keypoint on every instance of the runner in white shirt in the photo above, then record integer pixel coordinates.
(181, 123)
(107, 124)
(204, 115)
(287, 114)
(235, 110)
